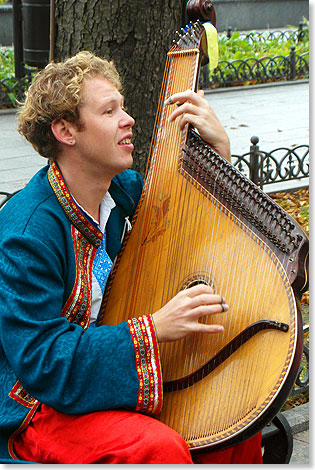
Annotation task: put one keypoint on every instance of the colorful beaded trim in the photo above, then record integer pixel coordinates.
(93, 234)
(150, 396)
(77, 309)
(25, 423)
(19, 394)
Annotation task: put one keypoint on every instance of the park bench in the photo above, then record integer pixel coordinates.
(5, 196)
(277, 436)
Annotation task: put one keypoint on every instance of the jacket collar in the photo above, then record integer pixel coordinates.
(78, 219)
(120, 195)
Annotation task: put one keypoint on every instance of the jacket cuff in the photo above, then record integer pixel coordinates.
(150, 395)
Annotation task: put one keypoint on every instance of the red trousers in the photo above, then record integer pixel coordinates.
(116, 437)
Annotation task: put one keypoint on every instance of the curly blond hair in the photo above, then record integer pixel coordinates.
(56, 94)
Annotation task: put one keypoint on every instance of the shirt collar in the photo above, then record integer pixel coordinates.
(107, 204)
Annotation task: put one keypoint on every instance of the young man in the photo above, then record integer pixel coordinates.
(70, 392)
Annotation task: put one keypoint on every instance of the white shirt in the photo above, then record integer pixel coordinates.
(102, 263)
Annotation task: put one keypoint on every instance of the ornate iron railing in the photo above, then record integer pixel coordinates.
(252, 70)
(12, 91)
(264, 69)
(302, 381)
(236, 72)
(282, 164)
(295, 35)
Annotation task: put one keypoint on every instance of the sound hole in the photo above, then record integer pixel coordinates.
(196, 279)
(196, 283)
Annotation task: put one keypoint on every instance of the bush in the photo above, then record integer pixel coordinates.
(258, 45)
(7, 79)
(6, 62)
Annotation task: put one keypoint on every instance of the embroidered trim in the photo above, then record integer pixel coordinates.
(28, 418)
(150, 396)
(77, 309)
(93, 234)
(19, 394)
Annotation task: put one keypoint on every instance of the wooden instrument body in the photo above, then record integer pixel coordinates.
(191, 227)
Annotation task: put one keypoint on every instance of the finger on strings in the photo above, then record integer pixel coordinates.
(205, 328)
(198, 289)
(206, 299)
(183, 96)
(191, 119)
(196, 98)
(209, 309)
(223, 305)
(188, 108)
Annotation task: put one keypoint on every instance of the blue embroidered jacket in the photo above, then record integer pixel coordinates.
(48, 353)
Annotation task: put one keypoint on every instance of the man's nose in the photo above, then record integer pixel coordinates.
(127, 120)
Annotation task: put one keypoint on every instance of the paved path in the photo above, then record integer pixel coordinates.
(18, 160)
(298, 419)
(278, 115)
(301, 449)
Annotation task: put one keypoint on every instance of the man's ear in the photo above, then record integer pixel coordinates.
(63, 131)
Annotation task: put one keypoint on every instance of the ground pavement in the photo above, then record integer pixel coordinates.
(278, 115)
(298, 419)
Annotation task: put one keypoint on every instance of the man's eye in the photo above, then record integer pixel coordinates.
(109, 111)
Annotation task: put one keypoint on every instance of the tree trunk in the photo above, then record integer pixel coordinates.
(136, 35)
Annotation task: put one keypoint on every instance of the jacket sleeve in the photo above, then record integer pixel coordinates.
(57, 362)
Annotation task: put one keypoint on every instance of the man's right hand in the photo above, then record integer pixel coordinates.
(180, 316)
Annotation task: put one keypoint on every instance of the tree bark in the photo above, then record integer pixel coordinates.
(136, 35)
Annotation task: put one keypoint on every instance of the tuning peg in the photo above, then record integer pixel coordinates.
(186, 39)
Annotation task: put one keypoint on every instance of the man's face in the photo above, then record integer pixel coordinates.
(104, 141)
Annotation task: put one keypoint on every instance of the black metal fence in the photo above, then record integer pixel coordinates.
(266, 69)
(12, 90)
(262, 70)
(280, 165)
(296, 35)
(227, 73)
(302, 381)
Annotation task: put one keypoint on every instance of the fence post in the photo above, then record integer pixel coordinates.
(229, 32)
(300, 33)
(292, 63)
(254, 161)
(18, 39)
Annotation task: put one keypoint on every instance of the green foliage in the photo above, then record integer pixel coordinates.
(7, 71)
(6, 63)
(241, 47)
(11, 90)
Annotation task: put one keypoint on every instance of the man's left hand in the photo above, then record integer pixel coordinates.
(194, 109)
